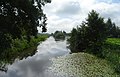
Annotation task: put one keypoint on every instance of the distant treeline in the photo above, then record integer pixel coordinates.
(59, 35)
(113, 31)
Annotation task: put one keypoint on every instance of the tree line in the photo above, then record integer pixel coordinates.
(91, 35)
(113, 30)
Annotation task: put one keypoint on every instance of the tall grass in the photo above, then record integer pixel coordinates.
(111, 53)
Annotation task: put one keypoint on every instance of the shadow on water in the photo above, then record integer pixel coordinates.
(37, 65)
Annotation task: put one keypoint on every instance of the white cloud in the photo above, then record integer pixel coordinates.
(66, 14)
(109, 11)
(68, 9)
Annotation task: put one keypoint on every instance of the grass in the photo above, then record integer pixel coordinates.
(114, 41)
(94, 67)
(82, 65)
(111, 53)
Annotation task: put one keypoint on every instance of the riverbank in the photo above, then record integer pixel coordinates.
(82, 65)
(110, 53)
(22, 48)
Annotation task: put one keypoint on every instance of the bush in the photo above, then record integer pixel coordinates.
(90, 35)
(18, 46)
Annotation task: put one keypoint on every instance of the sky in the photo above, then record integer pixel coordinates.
(66, 14)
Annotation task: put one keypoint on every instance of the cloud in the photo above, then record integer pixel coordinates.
(109, 10)
(68, 9)
(66, 14)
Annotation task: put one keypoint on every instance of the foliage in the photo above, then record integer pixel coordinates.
(111, 52)
(5, 40)
(19, 15)
(20, 18)
(90, 35)
(73, 40)
(113, 41)
(59, 35)
(18, 46)
(113, 30)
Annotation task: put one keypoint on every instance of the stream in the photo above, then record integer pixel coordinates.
(38, 64)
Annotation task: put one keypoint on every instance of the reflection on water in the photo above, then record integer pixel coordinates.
(36, 66)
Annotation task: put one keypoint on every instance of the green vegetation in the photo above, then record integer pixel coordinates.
(115, 41)
(97, 37)
(90, 35)
(111, 53)
(19, 37)
(21, 47)
(19, 20)
(82, 65)
(59, 35)
(113, 31)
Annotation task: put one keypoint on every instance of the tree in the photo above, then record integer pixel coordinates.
(19, 15)
(20, 18)
(73, 40)
(90, 35)
(112, 30)
(64, 33)
(109, 25)
(96, 31)
(59, 35)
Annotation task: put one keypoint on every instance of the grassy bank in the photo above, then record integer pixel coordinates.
(111, 52)
(21, 48)
(82, 65)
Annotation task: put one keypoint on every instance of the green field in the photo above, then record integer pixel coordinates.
(111, 52)
(114, 41)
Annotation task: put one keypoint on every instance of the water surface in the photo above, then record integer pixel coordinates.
(37, 65)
